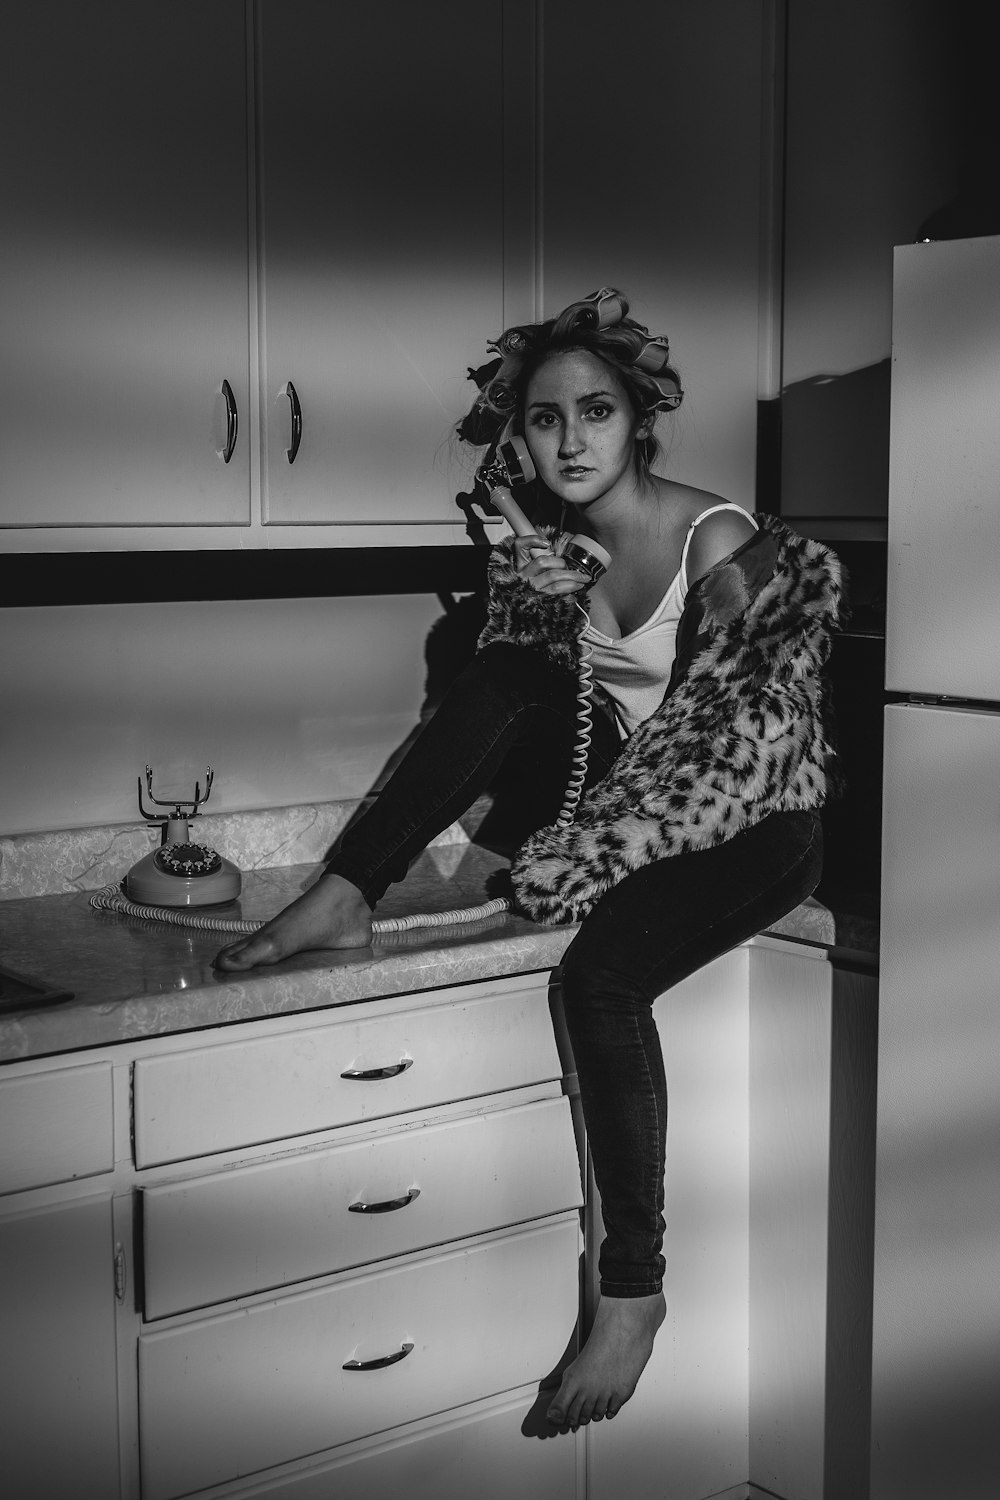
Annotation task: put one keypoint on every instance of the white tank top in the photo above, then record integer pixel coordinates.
(635, 669)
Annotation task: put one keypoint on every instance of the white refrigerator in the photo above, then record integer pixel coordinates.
(936, 1330)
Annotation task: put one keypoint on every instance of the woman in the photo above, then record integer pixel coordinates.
(698, 824)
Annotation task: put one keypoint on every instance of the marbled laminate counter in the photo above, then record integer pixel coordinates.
(132, 979)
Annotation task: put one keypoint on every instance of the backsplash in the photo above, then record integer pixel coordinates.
(85, 859)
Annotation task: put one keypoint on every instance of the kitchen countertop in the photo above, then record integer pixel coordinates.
(132, 979)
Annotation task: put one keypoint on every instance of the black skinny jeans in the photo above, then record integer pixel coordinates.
(512, 715)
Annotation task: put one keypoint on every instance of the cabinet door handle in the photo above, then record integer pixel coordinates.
(294, 403)
(232, 422)
(379, 1364)
(369, 1075)
(387, 1206)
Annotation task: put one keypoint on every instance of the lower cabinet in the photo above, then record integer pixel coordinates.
(58, 1357)
(334, 1255)
(58, 1377)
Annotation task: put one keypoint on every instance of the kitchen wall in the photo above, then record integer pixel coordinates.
(890, 136)
(290, 700)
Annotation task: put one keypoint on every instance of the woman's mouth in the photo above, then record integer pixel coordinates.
(575, 471)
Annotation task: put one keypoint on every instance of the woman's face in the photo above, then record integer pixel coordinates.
(580, 427)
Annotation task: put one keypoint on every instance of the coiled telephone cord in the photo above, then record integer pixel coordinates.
(585, 726)
(110, 898)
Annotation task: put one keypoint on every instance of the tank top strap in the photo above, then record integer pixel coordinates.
(725, 505)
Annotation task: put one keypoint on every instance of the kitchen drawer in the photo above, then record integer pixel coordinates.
(231, 1395)
(230, 1095)
(55, 1126)
(255, 1228)
(491, 1452)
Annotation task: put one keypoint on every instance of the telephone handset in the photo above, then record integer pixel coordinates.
(513, 465)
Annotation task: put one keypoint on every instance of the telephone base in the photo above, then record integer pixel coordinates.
(157, 880)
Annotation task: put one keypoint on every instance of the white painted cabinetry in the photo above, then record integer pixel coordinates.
(229, 306)
(336, 1252)
(382, 233)
(347, 1240)
(123, 271)
(58, 1379)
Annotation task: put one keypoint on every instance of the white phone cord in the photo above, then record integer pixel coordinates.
(585, 721)
(110, 897)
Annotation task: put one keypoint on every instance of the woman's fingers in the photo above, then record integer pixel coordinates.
(554, 578)
(527, 548)
(547, 572)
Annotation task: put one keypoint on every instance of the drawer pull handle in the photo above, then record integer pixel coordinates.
(387, 1207)
(379, 1364)
(367, 1075)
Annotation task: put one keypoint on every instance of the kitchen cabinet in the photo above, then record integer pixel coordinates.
(58, 1379)
(123, 271)
(382, 220)
(345, 1240)
(231, 315)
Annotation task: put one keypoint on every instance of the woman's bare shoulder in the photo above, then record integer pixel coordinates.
(717, 535)
(686, 499)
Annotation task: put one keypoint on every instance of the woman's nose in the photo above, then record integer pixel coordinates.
(572, 441)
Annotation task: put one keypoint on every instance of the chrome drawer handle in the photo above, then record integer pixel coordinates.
(367, 1075)
(379, 1364)
(387, 1206)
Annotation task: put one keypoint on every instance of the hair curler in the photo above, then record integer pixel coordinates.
(512, 465)
(601, 309)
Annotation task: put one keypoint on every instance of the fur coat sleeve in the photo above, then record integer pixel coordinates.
(521, 616)
(741, 731)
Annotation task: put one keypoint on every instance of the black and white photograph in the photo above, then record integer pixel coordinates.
(499, 750)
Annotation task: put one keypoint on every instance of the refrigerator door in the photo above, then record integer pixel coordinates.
(936, 1344)
(943, 619)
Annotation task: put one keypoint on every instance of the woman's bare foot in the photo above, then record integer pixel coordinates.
(606, 1371)
(331, 914)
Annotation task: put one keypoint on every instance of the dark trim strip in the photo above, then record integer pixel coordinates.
(164, 577)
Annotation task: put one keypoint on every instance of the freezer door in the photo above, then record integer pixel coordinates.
(944, 471)
(936, 1339)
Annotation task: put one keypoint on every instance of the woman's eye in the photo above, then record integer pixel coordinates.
(599, 411)
(544, 419)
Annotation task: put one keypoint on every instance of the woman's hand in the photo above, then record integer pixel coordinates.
(540, 563)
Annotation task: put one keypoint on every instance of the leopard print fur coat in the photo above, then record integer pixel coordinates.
(742, 731)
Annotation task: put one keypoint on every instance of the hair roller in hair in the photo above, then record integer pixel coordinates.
(602, 309)
(668, 384)
(653, 359)
(500, 395)
(654, 356)
(513, 341)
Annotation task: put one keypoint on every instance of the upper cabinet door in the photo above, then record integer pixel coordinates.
(382, 251)
(943, 617)
(123, 265)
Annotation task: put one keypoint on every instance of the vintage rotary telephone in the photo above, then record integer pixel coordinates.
(181, 873)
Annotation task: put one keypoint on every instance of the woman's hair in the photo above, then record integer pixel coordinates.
(600, 325)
